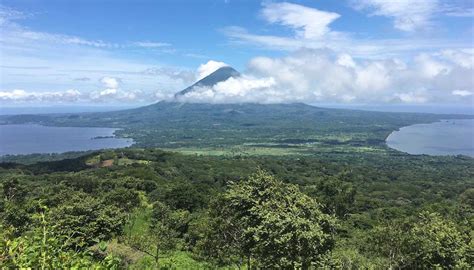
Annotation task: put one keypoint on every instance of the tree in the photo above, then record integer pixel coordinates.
(336, 196)
(390, 241)
(123, 198)
(466, 205)
(436, 242)
(15, 216)
(184, 195)
(162, 234)
(429, 241)
(13, 191)
(86, 219)
(44, 248)
(272, 222)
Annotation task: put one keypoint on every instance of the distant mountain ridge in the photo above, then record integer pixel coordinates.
(220, 75)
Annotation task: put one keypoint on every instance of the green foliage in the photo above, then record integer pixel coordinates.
(272, 222)
(86, 220)
(184, 196)
(424, 242)
(13, 191)
(437, 242)
(207, 211)
(337, 196)
(162, 235)
(43, 248)
(16, 217)
(390, 242)
(466, 205)
(349, 258)
(125, 199)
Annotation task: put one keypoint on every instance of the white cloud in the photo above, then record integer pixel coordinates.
(13, 31)
(313, 76)
(458, 8)
(113, 92)
(241, 35)
(456, 12)
(41, 65)
(464, 58)
(462, 93)
(184, 76)
(374, 76)
(309, 23)
(346, 60)
(19, 95)
(208, 68)
(407, 15)
(37, 62)
(110, 82)
(8, 14)
(429, 66)
(310, 28)
(411, 97)
(242, 89)
(108, 92)
(148, 44)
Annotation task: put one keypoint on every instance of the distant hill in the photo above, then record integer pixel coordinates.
(172, 124)
(220, 75)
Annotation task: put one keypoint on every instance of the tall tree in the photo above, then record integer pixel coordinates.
(162, 234)
(436, 242)
(272, 222)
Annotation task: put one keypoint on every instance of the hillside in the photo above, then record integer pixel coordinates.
(118, 197)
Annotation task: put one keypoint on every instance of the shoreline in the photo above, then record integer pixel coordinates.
(99, 135)
(428, 149)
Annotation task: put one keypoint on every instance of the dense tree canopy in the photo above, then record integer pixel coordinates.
(272, 222)
(147, 209)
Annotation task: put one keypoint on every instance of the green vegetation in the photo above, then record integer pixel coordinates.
(272, 223)
(244, 129)
(238, 186)
(149, 208)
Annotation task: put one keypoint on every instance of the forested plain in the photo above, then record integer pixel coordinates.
(148, 208)
(238, 187)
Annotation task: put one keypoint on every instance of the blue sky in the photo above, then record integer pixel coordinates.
(137, 52)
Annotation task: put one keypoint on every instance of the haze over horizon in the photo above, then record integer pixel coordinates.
(347, 53)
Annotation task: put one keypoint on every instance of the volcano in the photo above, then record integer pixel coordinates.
(220, 75)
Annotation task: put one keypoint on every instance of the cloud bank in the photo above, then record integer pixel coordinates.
(307, 75)
(19, 95)
(313, 76)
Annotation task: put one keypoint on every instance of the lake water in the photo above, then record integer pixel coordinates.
(448, 137)
(29, 139)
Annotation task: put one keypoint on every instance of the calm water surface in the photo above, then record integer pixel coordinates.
(29, 139)
(448, 137)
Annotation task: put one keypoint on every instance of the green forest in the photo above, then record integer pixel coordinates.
(138, 208)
